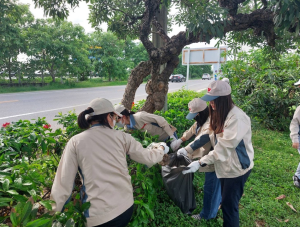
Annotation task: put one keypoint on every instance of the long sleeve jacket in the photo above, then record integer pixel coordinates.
(233, 151)
(153, 124)
(99, 155)
(295, 126)
(201, 134)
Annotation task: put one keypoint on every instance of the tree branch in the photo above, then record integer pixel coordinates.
(145, 28)
(160, 30)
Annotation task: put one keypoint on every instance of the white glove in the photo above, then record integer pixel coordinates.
(182, 151)
(194, 166)
(175, 144)
(166, 150)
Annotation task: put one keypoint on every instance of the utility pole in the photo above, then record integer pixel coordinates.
(162, 18)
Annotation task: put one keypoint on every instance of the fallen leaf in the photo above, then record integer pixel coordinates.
(31, 200)
(250, 188)
(291, 206)
(281, 197)
(292, 155)
(278, 220)
(286, 220)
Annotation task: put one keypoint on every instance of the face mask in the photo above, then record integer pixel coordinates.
(114, 122)
(120, 125)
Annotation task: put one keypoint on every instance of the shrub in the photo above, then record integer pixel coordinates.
(263, 86)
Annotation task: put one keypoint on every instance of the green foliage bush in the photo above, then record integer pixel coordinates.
(262, 85)
(26, 181)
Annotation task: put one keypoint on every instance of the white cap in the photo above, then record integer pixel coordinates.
(120, 108)
(297, 83)
(102, 106)
(216, 89)
(195, 106)
(225, 80)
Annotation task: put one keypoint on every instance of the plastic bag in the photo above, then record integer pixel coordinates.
(179, 186)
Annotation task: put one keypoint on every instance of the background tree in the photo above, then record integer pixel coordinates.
(107, 51)
(204, 20)
(58, 47)
(14, 19)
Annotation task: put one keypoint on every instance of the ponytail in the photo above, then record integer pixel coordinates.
(81, 120)
(127, 113)
(84, 123)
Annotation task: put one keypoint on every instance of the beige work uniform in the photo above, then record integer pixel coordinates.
(295, 126)
(153, 124)
(99, 154)
(233, 151)
(204, 149)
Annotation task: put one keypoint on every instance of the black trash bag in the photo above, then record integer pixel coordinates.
(179, 186)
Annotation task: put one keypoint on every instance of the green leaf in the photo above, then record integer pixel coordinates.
(4, 173)
(85, 206)
(44, 146)
(149, 211)
(13, 218)
(26, 211)
(39, 223)
(5, 185)
(13, 192)
(70, 223)
(47, 204)
(4, 200)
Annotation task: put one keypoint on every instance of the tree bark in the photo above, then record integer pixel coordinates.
(135, 80)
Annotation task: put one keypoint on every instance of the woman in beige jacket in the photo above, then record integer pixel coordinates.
(200, 129)
(233, 152)
(143, 121)
(99, 155)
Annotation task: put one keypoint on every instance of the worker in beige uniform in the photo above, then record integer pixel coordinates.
(143, 121)
(200, 129)
(233, 152)
(99, 155)
(295, 137)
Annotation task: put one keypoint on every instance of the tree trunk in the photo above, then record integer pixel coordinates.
(135, 80)
(9, 71)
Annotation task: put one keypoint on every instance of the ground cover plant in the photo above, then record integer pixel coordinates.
(66, 85)
(29, 154)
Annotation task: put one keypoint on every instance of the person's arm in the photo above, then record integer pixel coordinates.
(64, 179)
(294, 126)
(189, 133)
(152, 118)
(142, 155)
(233, 134)
(201, 140)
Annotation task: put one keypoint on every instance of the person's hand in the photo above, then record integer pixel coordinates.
(194, 166)
(182, 151)
(296, 145)
(164, 147)
(175, 144)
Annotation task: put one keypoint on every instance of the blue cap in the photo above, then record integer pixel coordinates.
(208, 98)
(191, 116)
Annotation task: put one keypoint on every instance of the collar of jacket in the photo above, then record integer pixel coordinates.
(132, 121)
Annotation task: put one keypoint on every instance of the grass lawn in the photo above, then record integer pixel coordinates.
(274, 165)
(58, 85)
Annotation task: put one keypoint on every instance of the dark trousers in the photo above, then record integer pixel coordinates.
(232, 190)
(121, 221)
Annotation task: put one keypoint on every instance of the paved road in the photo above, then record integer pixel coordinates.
(31, 105)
